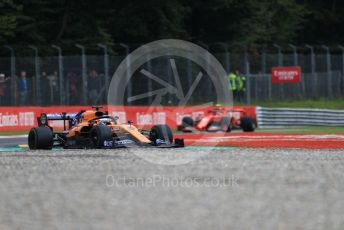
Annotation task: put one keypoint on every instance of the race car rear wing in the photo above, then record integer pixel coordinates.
(43, 119)
(62, 116)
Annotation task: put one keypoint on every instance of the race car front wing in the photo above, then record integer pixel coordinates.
(178, 143)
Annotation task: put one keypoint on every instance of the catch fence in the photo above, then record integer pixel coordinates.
(84, 79)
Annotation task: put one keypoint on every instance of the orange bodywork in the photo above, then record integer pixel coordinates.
(92, 118)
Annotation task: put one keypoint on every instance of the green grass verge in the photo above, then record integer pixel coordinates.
(12, 133)
(323, 103)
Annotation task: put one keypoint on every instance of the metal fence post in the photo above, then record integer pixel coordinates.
(280, 54)
(209, 88)
(264, 71)
(61, 77)
(149, 80)
(149, 69)
(106, 67)
(83, 73)
(37, 75)
(280, 64)
(129, 86)
(248, 85)
(67, 93)
(329, 67)
(264, 59)
(13, 76)
(169, 77)
(189, 71)
(342, 86)
(227, 56)
(246, 59)
(315, 79)
(296, 63)
(205, 46)
(247, 73)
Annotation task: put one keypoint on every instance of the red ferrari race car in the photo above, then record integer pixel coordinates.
(219, 119)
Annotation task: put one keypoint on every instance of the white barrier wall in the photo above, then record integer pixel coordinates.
(273, 117)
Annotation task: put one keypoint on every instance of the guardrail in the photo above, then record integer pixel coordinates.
(273, 117)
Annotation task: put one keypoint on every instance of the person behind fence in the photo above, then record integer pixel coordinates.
(231, 79)
(9, 90)
(23, 88)
(2, 88)
(73, 92)
(45, 88)
(93, 86)
(53, 87)
(240, 86)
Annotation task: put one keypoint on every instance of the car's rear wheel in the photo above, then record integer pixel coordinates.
(246, 124)
(40, 138)
(161, 132)
(100, 134)
(187, 122)
(225, 124)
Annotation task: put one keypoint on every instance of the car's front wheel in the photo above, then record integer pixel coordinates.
(161, 133)
(100, 134)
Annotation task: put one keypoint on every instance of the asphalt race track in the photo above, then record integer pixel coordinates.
(8, 141)
(229, 188)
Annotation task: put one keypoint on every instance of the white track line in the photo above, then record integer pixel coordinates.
(284, 137)
(13, 136)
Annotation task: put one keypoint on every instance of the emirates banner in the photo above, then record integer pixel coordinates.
(286, 74)
(24, 118)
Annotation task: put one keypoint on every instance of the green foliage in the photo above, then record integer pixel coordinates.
(10, 14)
(323, 22)
(140, 21)
(68, 22)
(271, 21)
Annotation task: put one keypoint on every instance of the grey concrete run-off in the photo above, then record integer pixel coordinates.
(226, 189)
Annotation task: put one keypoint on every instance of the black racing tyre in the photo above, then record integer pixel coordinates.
(162, 132)
(246, 124)
(40, 138)
(187, 122)
(225, 124)
(99, 134)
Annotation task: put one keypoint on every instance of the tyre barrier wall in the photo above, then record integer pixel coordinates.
(24, 118)
(274, 117)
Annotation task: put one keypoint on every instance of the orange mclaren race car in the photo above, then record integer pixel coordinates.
(96, 129)
(219, 119)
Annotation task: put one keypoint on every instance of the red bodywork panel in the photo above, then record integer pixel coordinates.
(216, 114)
(206, 120)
